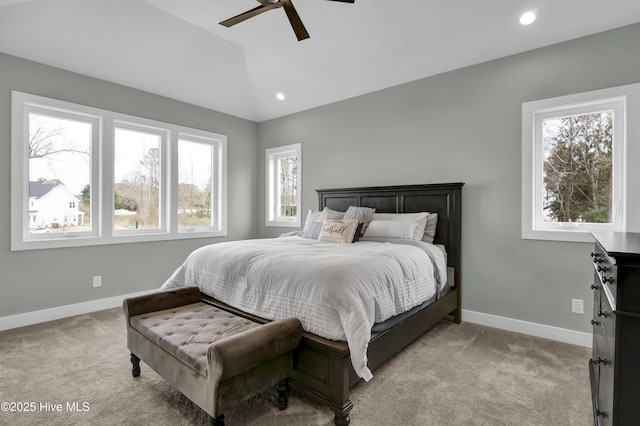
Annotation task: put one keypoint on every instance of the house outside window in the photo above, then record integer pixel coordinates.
(53, 208)
(574, 171)
(284, 186)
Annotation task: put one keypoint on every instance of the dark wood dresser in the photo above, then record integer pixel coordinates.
(614, 368)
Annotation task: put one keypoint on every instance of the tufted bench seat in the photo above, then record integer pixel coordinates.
(215, 358)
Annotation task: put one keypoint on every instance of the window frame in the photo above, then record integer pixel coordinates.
(272, 202)
(102, 177)
(218, 192)
(622, 101)
(20, 175)
(164, 137)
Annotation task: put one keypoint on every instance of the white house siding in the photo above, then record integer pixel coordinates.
(56, 206)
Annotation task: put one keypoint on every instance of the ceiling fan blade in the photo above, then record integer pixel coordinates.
(249, 14)
(294, 19)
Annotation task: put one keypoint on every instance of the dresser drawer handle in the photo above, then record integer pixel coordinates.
(603, 313)
(594, 286)
(602, 268)
(600, 413)
(607, 280)
(599, 360)
(594, 322)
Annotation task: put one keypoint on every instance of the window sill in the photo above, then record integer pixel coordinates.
(284, 224)
(84, 241)
(569, 235)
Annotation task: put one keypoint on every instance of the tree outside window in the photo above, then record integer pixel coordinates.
(288, 184)
(59, 149)
(137, 179)
(578, 160)
(284, 181)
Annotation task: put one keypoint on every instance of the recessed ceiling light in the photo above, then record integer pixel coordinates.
(280, 96)
(527, 18)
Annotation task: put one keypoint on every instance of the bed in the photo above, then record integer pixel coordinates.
(327, 363)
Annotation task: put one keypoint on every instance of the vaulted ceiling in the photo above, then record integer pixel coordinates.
(177, 48)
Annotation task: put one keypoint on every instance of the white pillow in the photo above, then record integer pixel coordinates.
(312, 216)
(430, 229)
(338, 231)
(317, 216)
(420, 220)
(391, 229)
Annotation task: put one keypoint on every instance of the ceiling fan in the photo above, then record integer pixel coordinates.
(294, 18)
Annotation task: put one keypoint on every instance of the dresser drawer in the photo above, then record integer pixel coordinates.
(603, 372)
(601, 363)
(605, 272)
(601, 344)
(607, 321)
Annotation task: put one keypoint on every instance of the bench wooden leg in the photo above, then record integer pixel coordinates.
(217, 421)
(135, 362)
(341, 419)
(283, 400)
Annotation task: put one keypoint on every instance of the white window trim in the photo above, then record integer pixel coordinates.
(625, 101)
(102, 188)
(272, 180)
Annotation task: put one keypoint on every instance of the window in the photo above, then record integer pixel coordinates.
(199, 195)
(284, 183)
(138, 178)
(58, 152)
(574, 175)
(86, 176)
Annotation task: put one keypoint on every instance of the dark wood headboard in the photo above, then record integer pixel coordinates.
(442, 198)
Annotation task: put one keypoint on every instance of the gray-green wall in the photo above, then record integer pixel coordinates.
(465, 125)
(40, 279)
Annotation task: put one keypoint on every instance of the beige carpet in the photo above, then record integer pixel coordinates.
(453, 375)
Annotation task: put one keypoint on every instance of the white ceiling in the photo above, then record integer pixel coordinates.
(176, 48)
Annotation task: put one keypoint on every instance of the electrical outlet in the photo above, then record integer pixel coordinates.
(577, 306)
(97, 281)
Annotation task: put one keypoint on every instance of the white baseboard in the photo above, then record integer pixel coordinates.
(533, 329)
(51, 314)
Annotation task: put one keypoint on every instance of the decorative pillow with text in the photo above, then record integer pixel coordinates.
(338, 231)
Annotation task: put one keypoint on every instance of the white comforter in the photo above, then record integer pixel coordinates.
(338, 291)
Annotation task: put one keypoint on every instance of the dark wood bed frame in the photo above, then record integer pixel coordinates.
(322, 367)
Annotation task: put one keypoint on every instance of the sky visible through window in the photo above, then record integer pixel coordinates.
(60, 151)
(63, 153)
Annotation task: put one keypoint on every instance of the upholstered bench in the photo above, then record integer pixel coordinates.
(215, 358)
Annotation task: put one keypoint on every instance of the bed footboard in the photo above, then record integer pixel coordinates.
(321, 370)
